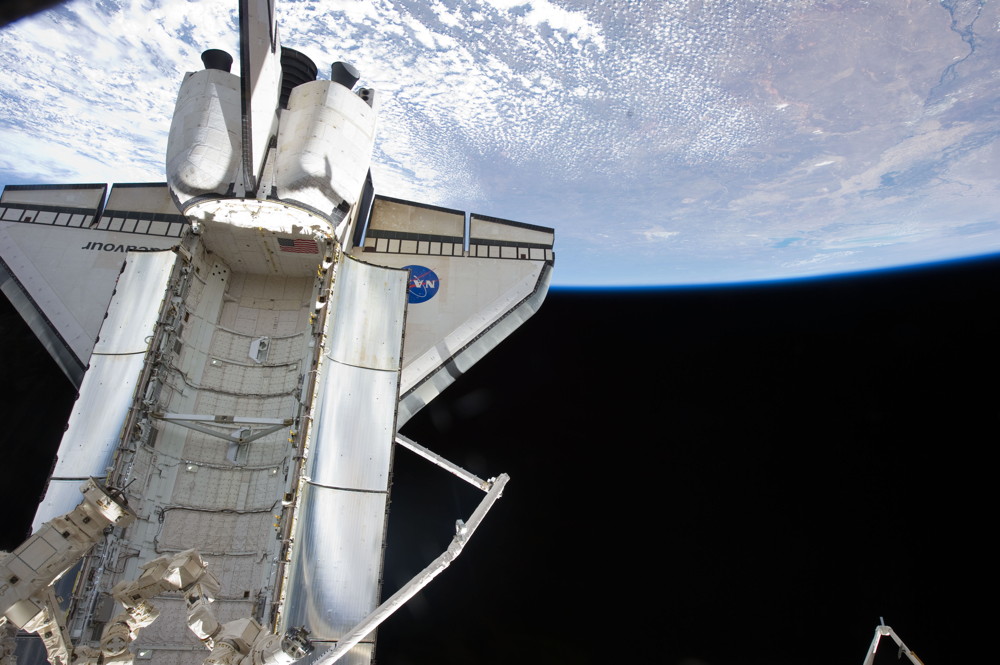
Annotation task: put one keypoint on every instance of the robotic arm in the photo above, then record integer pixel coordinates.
(27, 599)
(239, 642)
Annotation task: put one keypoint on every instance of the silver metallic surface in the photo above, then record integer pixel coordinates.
(374, 297)
(333, 579)
(463, 532)
(351, 443)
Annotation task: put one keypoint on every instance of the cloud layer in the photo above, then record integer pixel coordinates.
(667, 142)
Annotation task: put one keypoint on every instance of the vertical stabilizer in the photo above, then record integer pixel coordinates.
(260, 74)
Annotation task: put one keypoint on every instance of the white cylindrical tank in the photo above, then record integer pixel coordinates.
(325, 142)
(203, 150)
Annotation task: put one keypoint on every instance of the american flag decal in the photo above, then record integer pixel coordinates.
(298, 245)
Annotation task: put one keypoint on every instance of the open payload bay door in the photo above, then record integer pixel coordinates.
(473, 281)
(62, 248)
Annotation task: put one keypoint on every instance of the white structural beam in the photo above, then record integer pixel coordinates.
(436, 459)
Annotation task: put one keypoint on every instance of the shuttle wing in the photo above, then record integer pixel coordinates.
(62, 248)
(473, 280)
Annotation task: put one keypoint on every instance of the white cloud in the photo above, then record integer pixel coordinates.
(657, 234)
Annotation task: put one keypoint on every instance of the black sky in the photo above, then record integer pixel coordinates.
(718, 476)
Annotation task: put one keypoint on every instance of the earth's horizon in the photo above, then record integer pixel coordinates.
(682, 143)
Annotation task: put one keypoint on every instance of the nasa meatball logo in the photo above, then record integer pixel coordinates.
(423, 284)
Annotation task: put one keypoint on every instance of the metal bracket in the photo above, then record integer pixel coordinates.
(238, 433)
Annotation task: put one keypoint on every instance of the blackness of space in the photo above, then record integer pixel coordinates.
(699, 476)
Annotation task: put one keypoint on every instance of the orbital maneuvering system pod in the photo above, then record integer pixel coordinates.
(252, 336)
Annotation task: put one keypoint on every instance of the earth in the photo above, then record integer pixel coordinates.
(688, 142)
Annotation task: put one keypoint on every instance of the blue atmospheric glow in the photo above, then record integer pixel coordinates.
(922, 268)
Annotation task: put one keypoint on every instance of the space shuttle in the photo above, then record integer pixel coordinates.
(247, 338)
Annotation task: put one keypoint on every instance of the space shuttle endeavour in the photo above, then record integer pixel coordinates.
(246, 338)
